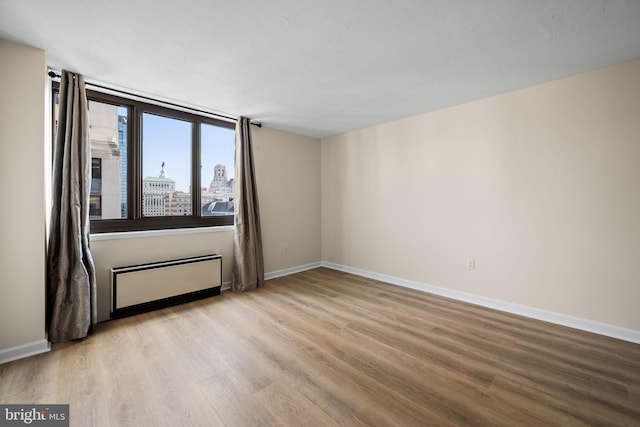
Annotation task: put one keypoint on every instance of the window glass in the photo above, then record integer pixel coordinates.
(166, 166)
(217, 170)
(108, 134)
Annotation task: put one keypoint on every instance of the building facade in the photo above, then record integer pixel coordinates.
(154, 190)
(106, 157)
(221, 188)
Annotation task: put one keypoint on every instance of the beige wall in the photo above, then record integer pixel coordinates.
(288, 175)
(288, 180)
(23, 88)
(541, 186)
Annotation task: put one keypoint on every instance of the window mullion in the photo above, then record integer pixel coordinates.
(135, 164)
(196, 169)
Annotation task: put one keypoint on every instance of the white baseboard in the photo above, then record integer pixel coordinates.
(531, 312)
(279, 273)
(291, 270)
(24, 350)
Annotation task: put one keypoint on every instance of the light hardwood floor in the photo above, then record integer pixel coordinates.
(325, 348)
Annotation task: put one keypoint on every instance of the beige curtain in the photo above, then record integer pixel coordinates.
(248, 264)
(71, 283)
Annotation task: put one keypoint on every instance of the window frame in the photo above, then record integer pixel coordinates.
(135, 221)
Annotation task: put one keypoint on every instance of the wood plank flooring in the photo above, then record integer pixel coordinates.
(325, 348)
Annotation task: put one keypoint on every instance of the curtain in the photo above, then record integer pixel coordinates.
(248, 264)
(71, 282)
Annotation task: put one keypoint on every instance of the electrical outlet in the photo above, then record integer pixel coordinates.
(285, 249)
(471, 264)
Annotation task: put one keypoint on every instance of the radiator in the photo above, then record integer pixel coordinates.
(139, 288)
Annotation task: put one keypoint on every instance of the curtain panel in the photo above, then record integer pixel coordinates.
(248, 263)
(71, 282)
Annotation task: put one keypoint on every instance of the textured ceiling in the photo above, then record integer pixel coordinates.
(324, 67)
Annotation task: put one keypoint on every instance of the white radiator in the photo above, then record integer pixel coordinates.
(145, 287)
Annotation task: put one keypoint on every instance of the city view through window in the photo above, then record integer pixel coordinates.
(166, 148)
(166, 165)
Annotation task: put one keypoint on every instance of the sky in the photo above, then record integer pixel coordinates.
(169, 140)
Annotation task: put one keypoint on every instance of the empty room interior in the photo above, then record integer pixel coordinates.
(447, 196)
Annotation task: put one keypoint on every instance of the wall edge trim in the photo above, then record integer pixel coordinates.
(279, 273)
(587, 325)
(24, 350)
(292, 270)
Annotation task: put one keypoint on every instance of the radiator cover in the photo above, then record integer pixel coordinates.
(139, 288)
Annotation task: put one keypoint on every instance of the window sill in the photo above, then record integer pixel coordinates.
(154, 233)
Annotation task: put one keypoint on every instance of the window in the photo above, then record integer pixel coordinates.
(217, 170)
(96, 169)
(165, 139)
(108, 158)
(95, 198)
(95, 206)
(154, 167)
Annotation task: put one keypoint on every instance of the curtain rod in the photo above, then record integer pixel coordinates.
(55, 75)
